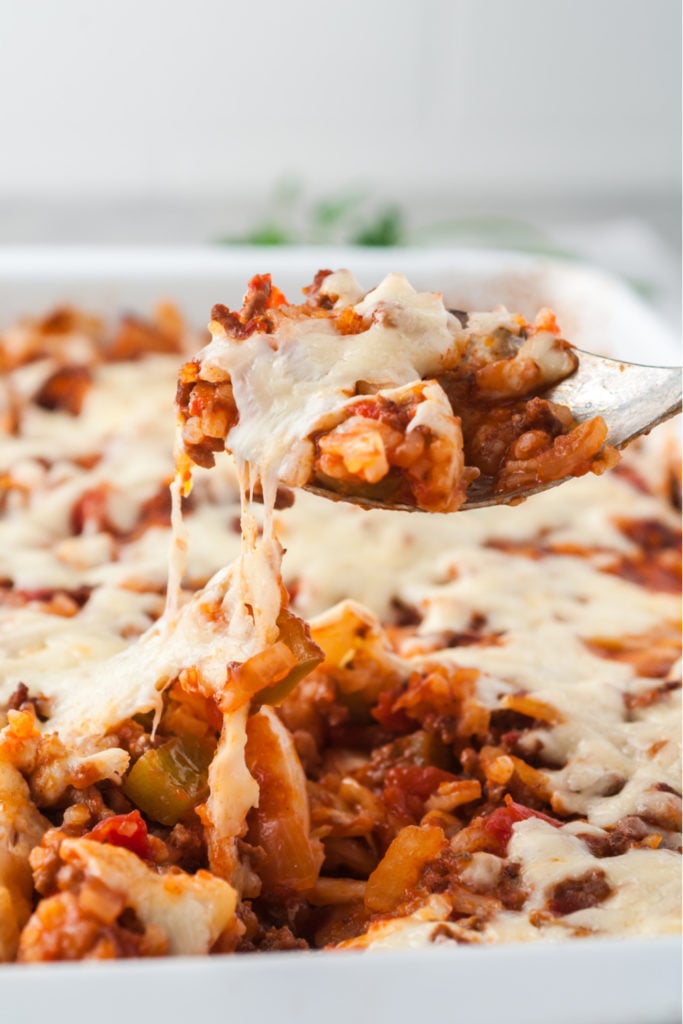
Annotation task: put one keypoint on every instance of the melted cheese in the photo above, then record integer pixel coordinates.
(111, 659)
(191, 910)
(645, 884)
(298, 380)
(644, 898)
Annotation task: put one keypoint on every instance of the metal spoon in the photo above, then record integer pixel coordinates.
(632, 399)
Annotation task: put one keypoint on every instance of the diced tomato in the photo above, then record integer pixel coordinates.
(370, 410)
(408, 786)
(276, 298)
(127, 830)
(499, 823)
(393, 721)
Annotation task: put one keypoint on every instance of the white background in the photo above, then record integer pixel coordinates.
(509, 105)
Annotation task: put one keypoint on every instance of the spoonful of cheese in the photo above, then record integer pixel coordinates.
(387, 399)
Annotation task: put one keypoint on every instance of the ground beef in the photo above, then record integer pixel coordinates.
(579, 893)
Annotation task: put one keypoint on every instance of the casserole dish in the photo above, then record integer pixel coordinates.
(596, 313)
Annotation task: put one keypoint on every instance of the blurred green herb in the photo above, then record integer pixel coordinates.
(266, 234)
(352, 217)
(386, 229)
(348, 218)
(331, 212)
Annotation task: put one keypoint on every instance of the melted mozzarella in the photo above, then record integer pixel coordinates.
(111, 659)
(645, 884)
(231, 619)
(644, 897)
(191, 910)
(298, 379)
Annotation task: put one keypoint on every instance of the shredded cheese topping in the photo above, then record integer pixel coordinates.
(541, 603)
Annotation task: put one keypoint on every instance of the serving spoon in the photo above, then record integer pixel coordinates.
(631, 398)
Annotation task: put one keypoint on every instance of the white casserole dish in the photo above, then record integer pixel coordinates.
(592, 981)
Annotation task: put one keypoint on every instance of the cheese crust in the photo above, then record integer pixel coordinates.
(411, 730)
(385, 397)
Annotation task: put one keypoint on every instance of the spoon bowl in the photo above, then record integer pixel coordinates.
(630, 397)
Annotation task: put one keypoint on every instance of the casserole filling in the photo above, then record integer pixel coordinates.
(414, 730)
(384, 396)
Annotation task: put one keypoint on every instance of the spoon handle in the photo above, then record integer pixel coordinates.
(631, 398)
